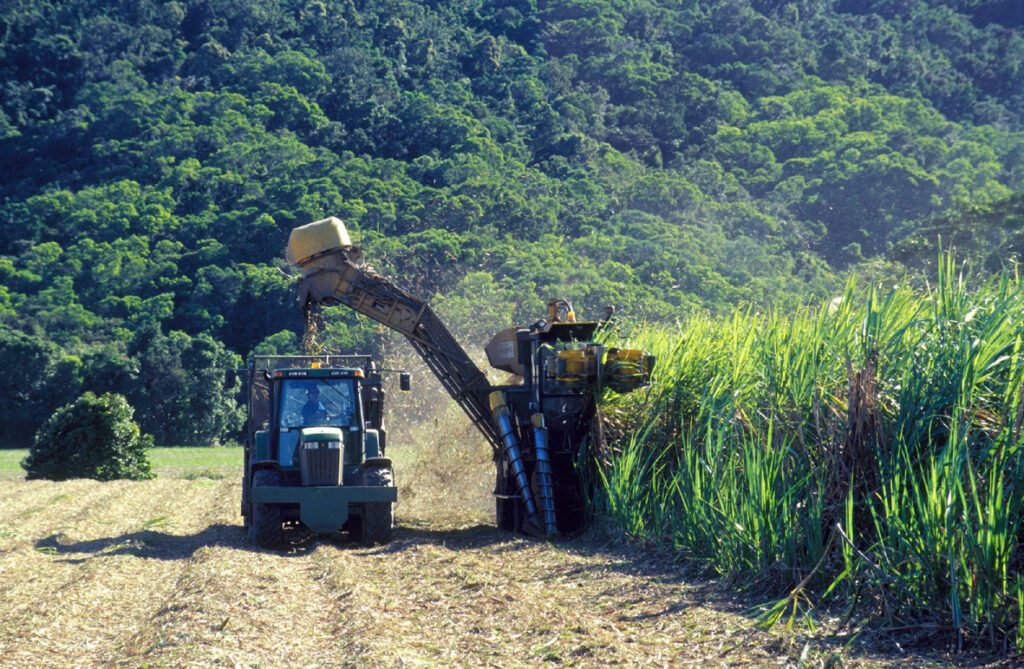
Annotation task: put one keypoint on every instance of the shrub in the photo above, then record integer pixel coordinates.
(93, 438)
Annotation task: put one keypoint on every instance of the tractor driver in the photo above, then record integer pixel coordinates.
(313, 411)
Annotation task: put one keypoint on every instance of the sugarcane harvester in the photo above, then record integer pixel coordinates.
(537, 427)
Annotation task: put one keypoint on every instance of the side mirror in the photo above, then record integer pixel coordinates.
(404, 382)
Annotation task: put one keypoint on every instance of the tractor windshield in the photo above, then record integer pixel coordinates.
(318, 402)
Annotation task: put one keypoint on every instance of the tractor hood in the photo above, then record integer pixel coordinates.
(320, 434)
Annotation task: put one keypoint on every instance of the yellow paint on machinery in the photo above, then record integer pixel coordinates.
(576, 368)
(627, 369)
(308, 240)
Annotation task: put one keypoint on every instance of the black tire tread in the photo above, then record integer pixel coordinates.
(505, 512)
(265, 528)
(378, 517)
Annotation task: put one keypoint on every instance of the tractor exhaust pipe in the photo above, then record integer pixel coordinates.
(514, 457)
(545, 489)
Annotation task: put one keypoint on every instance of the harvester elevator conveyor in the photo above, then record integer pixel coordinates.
(339, 276)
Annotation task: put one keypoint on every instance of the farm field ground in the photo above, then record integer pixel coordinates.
(158, 573)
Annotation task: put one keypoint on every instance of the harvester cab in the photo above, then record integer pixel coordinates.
(315, 448)
(537, 428)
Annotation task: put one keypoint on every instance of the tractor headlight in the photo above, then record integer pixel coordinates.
(321, 444)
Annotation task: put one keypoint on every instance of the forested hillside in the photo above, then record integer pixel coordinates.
(660, 156)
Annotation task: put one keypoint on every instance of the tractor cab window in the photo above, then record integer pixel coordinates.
(318, 402)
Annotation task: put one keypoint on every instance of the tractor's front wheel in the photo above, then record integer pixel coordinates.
(265, 528)
(378, 517)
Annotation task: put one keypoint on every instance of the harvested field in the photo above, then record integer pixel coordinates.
(158, 573)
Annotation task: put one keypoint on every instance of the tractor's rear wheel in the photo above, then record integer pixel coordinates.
(378, 517)
(265, 528)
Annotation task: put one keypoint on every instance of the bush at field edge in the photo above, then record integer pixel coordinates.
(95, 437)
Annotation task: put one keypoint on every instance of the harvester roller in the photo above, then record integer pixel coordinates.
(514, 457)
(542, 474)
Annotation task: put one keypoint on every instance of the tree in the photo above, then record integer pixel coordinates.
(28, 364)
(180, 391)
(95, 437)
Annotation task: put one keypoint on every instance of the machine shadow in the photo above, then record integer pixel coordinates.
(154, 544)
(146, 543)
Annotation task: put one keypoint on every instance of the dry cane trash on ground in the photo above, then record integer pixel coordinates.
(159, 573)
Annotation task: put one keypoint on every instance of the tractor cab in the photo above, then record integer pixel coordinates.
(320, 408)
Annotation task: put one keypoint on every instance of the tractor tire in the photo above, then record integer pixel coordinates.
(378, 517)
(506, 511)
(570, 507)
(265, 528)
(246, 505)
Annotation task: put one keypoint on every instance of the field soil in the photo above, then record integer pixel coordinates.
(159, 573)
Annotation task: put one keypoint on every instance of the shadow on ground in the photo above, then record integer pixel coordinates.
(154, 544)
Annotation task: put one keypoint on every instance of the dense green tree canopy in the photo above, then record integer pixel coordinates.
(659, 156)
